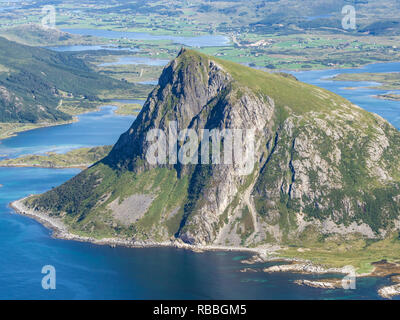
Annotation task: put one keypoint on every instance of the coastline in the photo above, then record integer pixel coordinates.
(30, 127)
(263, 254)
(266, 253)
(60, 231)
(386, 97)
(75, 118)
(339, 68)
(82, 167)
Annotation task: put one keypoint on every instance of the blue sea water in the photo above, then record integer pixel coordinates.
(360, 94)
(77, 48)
(92, 129)
(87, 271)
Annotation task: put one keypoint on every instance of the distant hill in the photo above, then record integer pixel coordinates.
(34, 80)
(36, 35)
(382, 28)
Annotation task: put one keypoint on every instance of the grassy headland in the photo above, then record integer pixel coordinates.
(389, 96)
(337, 251)
(389, 80)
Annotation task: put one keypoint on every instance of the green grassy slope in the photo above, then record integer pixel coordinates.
(330, 152)
(34, 80)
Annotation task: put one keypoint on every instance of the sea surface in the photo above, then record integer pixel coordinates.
(87, 271)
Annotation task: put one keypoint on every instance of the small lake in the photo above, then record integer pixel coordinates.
(321, 16)
(150, 82)
(197, 41)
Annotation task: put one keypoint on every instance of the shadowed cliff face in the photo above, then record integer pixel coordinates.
(321, 165)
(186, 89)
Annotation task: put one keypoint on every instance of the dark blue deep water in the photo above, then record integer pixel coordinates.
(86, 271)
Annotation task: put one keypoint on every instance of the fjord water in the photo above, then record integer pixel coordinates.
(92, 129)
(358, 92)
(87, 271)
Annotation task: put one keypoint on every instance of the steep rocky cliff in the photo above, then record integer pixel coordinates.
(321, 165)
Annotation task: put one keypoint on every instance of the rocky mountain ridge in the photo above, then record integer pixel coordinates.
(322, 166)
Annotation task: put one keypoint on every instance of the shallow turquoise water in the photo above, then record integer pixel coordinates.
(86, 271)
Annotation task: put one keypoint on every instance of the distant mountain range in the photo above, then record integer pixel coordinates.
(322, 165)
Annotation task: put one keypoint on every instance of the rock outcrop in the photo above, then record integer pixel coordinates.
(389, 292)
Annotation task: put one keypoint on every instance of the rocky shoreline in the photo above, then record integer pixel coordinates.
(305, 268)
(82, 166)
(263, 254)
(60, 231)
(14, 132)
(390, 97)
(390, 291)
(321, 284)
(381, 269)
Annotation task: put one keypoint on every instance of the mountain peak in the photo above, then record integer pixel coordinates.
(182, 51)
(319, 164)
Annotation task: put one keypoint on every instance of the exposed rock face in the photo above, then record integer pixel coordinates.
(303, 268)
(321, 284)
(390, 291)
(320, 163)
